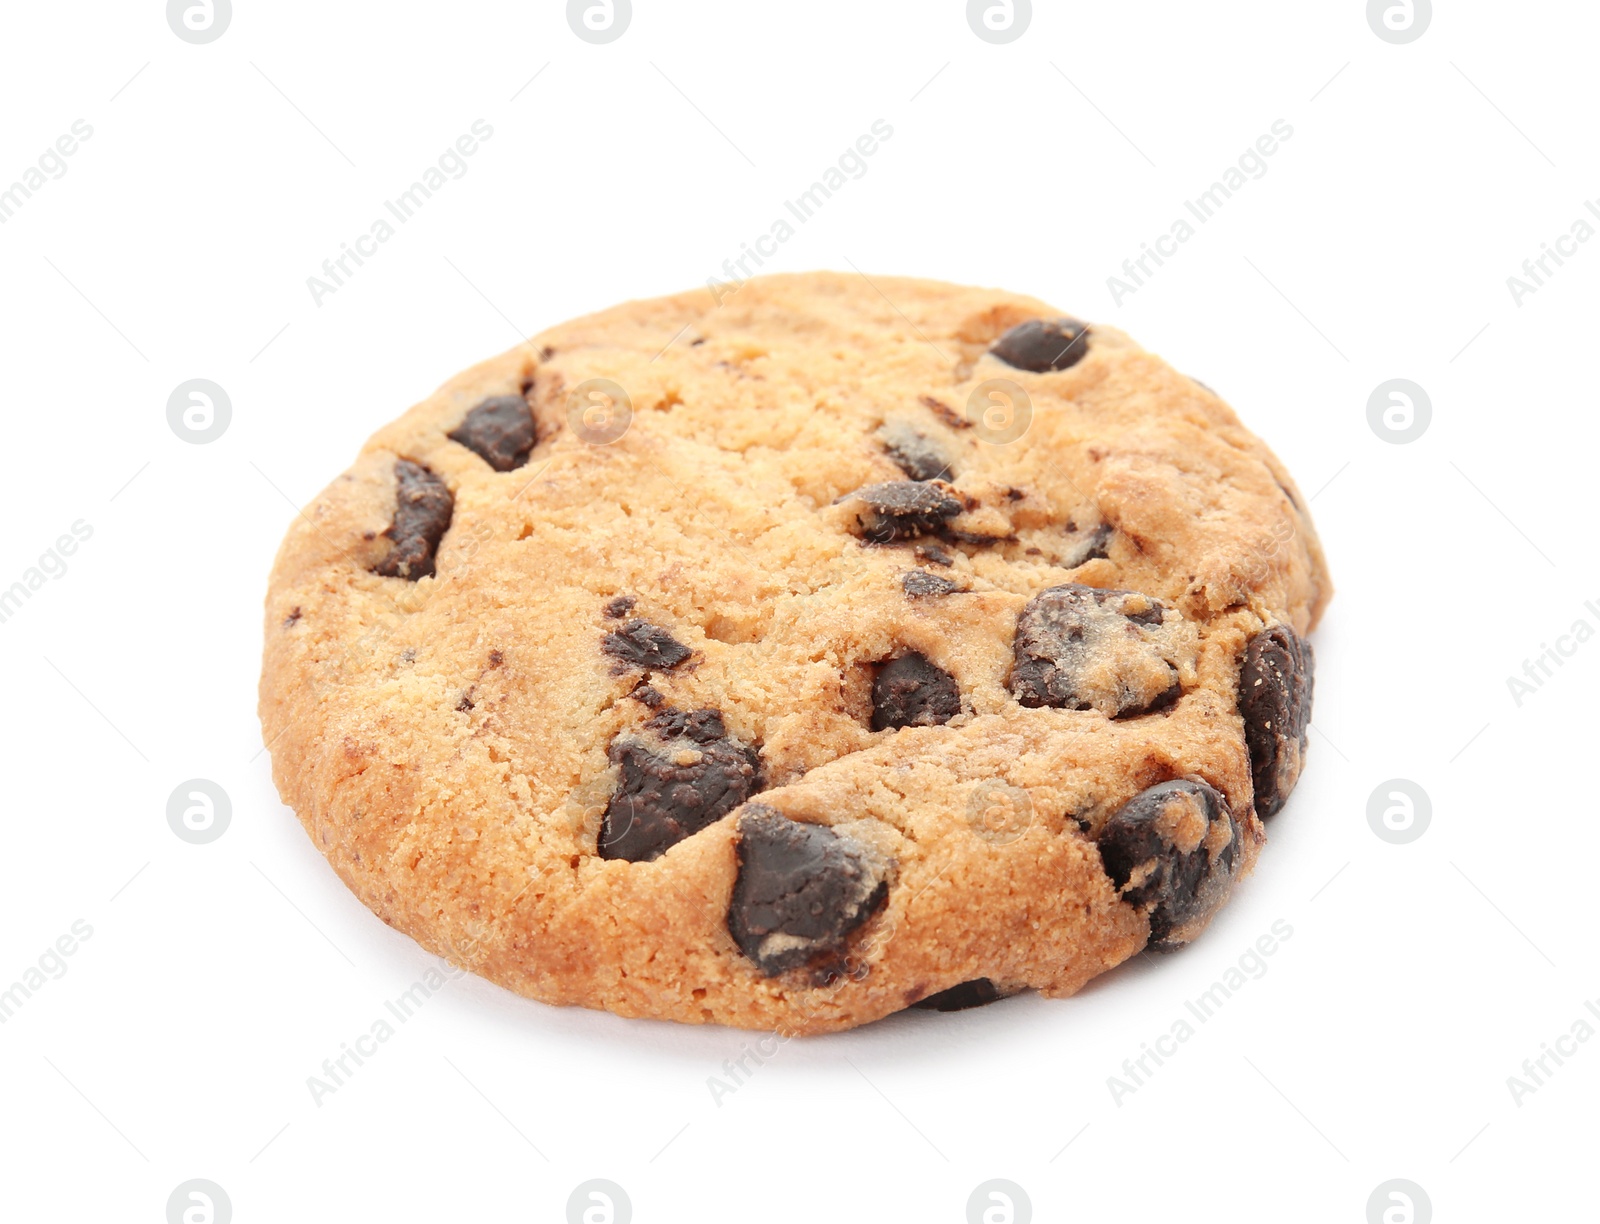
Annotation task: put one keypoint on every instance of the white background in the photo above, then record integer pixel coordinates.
(219, 977)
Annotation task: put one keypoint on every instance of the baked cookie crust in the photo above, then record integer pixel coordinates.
(793, 685)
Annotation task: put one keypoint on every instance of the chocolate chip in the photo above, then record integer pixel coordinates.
(702, 726)
(915, 453)
(1275, 682)
(619, 607)
(422, 510)
(496, 658)
(982, 538)
(648, 695)
(694, 777)
(466, 703)
(801, 890)
(901, 509)
(1043, 344)
(292, 619)
(645, 645)
(912, 692)
(933, 555)
(944, 412)
(920, 584)
(975, 993)
(1173, 852)
(1081, 648)
(1087, 546)
(500, 431)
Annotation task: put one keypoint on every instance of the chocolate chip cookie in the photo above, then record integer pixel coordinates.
(792, 659)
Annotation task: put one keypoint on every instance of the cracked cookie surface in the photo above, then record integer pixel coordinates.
(703, 716)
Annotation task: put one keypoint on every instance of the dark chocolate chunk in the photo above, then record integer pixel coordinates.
(702, 726)
(801, 890)
(944, 412)
(648, 694)
(1043, 344)
(901, 509)
(915, 453)
(933, 555)
(1087, 546)
(422, 510)
(619, 607)
(1275, 682)
(645, 645)
(960, 997)
(1173, 853)
(919, 584)
(500, 431)
(912, 692)
(667, 792)
(984, 538)
(1081, 648)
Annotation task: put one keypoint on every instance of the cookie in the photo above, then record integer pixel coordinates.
(796, 659)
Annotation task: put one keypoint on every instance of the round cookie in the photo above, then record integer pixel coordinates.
(790, 660)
